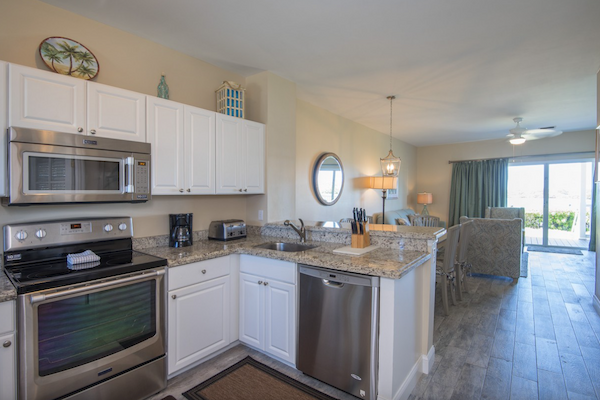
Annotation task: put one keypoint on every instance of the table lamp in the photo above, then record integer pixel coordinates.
(424, 198)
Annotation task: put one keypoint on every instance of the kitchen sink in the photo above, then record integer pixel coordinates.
(287, 247)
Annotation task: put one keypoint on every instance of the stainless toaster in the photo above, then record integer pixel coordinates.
(227, 229)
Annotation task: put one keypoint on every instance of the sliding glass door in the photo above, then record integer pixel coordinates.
(557, 201)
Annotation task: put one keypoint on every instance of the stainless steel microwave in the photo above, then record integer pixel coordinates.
(46, 167)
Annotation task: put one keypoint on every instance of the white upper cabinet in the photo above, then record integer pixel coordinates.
(115, 113)
(199, 151)
(183, 148)
(46, 100)
(49, 101)
(165, 135)
(240, 156)
(3, 126)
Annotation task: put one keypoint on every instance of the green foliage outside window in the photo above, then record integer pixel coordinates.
(558, 220)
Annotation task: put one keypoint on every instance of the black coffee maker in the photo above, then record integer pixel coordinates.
(180, 228)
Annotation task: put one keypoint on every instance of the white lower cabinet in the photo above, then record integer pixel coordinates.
(199, 310)
(268, 306)
(8, 362)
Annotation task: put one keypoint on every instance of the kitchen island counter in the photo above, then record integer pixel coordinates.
(382, 262)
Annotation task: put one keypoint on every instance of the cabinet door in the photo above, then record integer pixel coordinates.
(165, 134)
(115, 113)
(46, 100)
(229, 167)
(8, 378)
(280, 320)
(254, 157)
(199, 149)
(198, 322)
(3, 126)
(252, 310)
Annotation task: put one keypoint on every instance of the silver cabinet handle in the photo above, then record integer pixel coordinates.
(6, 344)
(260, 282)
(266, 283)
(203, 271)
(180, 190)
(189, 190)
(93, 131)
(80, 129)
(174, 296)
(245, 190)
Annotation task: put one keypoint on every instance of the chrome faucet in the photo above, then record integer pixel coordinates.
(301, 231)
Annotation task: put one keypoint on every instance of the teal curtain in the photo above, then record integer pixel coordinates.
(476, 185)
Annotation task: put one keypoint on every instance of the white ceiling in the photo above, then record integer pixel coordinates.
(460, 69)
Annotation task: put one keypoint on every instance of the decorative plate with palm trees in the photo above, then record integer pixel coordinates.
(68, 57)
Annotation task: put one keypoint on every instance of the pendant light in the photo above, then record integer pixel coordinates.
(390, 165)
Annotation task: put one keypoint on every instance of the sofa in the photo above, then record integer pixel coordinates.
(495, 246)
(392, 217)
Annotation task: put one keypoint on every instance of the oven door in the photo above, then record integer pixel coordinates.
(58, 174)
(72, 339)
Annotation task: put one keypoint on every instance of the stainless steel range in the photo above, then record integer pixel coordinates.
(93, 330)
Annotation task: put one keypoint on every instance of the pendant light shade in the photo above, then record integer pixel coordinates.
(390, 165)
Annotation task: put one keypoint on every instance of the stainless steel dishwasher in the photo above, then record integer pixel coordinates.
(338, 329)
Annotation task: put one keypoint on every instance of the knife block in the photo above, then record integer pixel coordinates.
(362, 241)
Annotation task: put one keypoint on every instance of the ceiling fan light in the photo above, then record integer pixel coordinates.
(517, 140)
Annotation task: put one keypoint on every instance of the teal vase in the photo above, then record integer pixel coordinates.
(163, 89)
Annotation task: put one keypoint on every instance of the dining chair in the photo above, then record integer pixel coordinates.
(445, 266)
(462, 264)
(423, 220)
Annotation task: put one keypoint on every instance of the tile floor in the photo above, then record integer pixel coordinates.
(537, 339)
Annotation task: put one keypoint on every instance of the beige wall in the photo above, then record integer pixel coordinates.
(434, 172)
(273, 101)
(360, 148)
(126, 61)
(129, 62)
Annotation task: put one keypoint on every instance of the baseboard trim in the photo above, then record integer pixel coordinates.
(410, 382)
(597, 304)
(428, 360)
(423, 365)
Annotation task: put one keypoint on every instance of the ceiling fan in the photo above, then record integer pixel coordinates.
(519, 135)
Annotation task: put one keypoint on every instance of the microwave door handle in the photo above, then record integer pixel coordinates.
(129, 163)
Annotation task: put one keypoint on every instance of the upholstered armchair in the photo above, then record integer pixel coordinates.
(507, 213)
(496, 246)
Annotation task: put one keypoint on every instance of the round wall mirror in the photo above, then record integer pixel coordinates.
(328, 179)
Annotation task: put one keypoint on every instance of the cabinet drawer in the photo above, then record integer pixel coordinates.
(7, 316)
(190, 274)
(283, 271)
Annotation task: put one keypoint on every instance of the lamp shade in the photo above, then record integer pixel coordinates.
(384, 182)
(424, 198)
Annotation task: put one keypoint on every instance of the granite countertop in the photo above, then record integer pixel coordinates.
(397, 231)
(7, 290)
(382, 262)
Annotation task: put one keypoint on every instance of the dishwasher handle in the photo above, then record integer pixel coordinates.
(333, 284)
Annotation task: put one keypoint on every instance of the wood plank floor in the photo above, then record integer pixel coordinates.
(556, 238)
(536, 339)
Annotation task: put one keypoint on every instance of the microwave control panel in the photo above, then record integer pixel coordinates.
(142, 176)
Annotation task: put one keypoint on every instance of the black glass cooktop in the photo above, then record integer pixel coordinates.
(33, 276)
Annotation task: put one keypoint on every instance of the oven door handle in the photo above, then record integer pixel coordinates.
(43, 297)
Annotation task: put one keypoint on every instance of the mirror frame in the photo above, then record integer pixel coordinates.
(316, 170)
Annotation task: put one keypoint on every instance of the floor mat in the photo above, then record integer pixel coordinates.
(557, 250)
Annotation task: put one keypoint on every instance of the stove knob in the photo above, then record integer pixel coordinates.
(108, 228)
(122, 226)
(21, 235)
(40, 233)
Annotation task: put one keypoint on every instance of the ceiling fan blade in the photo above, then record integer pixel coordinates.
(534, 134)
